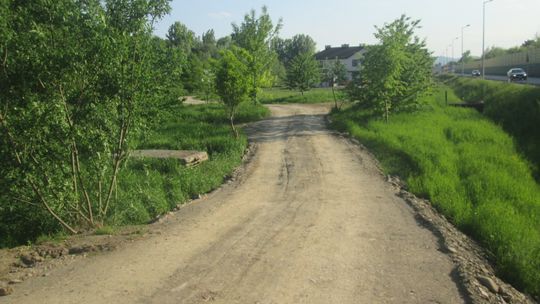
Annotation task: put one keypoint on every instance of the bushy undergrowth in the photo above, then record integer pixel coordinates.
(276, 95)
(470, 170)
(150, 187)
(515, 107)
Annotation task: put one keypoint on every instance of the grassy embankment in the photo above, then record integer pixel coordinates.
(471, 171)
(149, 187)
(516, 107)
(278, 95)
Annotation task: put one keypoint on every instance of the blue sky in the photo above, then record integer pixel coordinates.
(508, 22)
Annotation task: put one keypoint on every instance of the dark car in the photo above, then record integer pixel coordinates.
(475, 73)
(516, 74)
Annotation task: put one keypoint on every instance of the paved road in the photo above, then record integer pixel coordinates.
(530, 80)
(311, 220)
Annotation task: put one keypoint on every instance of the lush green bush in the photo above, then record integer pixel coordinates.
(515, 107)
(276, 95)
(470, 170)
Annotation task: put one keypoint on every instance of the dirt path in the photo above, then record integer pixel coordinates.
(311, 220)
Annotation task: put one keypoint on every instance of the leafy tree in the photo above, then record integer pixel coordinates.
(193, 73)
(255, 35)
(288, 49)
(397, 70)
(303, 72)
(531, 43)
(75, 77)
(467, 57)
(232, 81)
(224, 43)
(168, 65)
(208, 45)
(334, 73)
(494, 52)
(180, 36)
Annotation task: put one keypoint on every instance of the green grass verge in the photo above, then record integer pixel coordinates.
(471, 171)
(277, 95)
(149, 187)
(516, 107)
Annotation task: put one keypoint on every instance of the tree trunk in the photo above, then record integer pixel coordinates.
(386, 111)
(233, 128)
(335, 99)
(231, 120)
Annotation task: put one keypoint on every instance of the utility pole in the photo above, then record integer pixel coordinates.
(484, 35)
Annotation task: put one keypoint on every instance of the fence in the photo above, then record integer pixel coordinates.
(528, 60)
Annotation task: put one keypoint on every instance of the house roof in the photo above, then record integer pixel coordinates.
(342, 52)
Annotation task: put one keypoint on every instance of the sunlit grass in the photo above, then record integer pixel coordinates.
(471, 171)
(278, 95)
(149, 187)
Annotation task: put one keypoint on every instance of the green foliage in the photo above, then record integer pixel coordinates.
(181, 37)
(75, 79)
(277, 95)
(395, 72)
(494, 52)
(470, 170)
(209, 47)
(515, 107)
(528, 44)
(303, 72)
(288, 49)
(193, 73)
(467, 57)
(255, 35)
(105, 230)
(232, 82)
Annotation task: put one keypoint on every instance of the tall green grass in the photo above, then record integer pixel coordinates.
(278, 95)
(149, 187)
(471, 171)
(516, 107)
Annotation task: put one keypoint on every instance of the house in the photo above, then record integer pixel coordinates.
(350, 57)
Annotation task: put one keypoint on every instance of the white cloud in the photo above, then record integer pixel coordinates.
(220, 15)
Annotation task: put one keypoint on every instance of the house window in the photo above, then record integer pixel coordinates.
(355, 62)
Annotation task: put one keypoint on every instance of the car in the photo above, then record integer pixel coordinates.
(475, 73)
(516, 74)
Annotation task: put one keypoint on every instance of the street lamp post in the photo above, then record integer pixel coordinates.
(463, 61)
(484, 35)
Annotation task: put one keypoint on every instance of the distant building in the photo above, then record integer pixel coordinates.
(350, 57)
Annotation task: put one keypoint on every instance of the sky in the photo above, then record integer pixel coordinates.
(336, 22)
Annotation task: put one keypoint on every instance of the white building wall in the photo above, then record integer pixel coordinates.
(348, 63)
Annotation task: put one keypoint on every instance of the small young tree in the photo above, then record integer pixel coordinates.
(335, 73)
(232, 82)
(397, 70)
(255, 35)
(303, 72)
